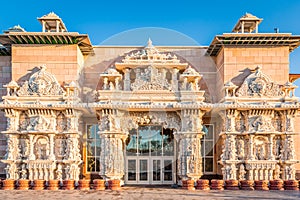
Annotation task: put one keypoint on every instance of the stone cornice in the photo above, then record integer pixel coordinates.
(155, 106)
(55, 106)
(246, 106)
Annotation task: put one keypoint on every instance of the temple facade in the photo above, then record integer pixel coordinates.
(151, 114)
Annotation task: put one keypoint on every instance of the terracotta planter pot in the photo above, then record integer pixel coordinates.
(291, 185)
(53, 184)
(247, 184)
(261, 185)
(84, 184)
(8, 184)
(99, 184)
(38, 184)
(68, 184)
(114, 184)
(190, 185)
(184, 184)
(276, 185)
(202, 184)
(23, 184)
(217, 184)
(232, 184)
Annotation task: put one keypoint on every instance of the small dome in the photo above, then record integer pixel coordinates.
(13, 84)
(72, 84)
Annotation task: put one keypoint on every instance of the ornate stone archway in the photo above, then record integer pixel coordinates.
(150, 87)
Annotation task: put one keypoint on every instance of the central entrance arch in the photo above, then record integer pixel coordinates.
(150, 157)
(142, 99)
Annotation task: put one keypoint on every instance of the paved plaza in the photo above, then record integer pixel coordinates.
(145, 193)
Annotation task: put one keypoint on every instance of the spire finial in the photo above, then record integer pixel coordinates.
(149, 43)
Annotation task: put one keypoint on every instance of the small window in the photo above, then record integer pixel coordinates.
(207, 148)
(93, 148)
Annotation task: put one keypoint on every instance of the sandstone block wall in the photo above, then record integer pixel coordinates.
(61, 60)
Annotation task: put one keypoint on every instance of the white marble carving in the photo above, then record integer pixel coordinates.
(150, 78)
(41, 83)
(258, 84)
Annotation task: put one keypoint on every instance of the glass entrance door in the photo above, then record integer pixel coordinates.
(150, 156)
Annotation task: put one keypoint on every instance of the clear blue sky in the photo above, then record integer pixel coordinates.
(200, 20)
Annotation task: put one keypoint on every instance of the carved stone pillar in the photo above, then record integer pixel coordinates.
(72, 120)
(196, 84)
(256, 174)
(251, 156)
(230, 120)
(233, 172)
(271, 155)
(231, 146)
(290, 116)
(105, 84)
(184, 84)
(189, 156)
(72, 157)
(12, 150)
(12, 119)
(127, 79)
(30, 172)
(51, 171)
(175, 79)
(288, 148)
(31, 148)
(46, 173)
(270, 173)
(51, 142)
(112, 164)
(117, 83)
(266, 174)
(250, 177)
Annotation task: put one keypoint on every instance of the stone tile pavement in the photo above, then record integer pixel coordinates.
(145, 193)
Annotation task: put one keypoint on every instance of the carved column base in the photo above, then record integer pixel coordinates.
(38, 185)
(291, 185)
(202, 184)
(23, 184)
(232, 184)
(114, 184)
(276, 185)
(247, 184)
(68, 184)
(53, 184)
(84, 184)
(99, 184)
(261, 185)
(8, 184)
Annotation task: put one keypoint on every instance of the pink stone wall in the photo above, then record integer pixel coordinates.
(273, 60)
(61, 60)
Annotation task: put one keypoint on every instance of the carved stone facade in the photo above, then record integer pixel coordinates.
(217, 112)
(42, 132)
(258, 132)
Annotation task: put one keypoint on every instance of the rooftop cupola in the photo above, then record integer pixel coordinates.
(52, 23)
(247, 24)
(16, 28)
